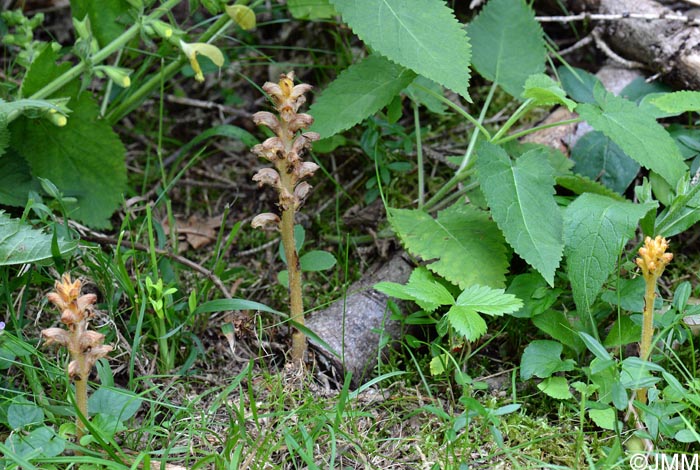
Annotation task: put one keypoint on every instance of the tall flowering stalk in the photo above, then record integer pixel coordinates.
(652, 261)
(286, 151)
(85, 346)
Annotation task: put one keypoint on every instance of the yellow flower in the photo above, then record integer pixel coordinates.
(211, 52)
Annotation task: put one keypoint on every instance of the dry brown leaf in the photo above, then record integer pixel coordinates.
(195, 232)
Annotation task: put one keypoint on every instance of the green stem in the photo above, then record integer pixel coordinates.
(419, 157)
(135, 98)
(102, 54)
(522, 109)
(525, 132)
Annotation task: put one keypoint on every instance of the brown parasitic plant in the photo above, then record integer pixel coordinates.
(85, 346)
(286, 150)
(652, 261)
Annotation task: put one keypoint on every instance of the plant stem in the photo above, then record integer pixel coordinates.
(102, 54)
(296, 305)
(81, 396)
(647, 328)
(419, 157)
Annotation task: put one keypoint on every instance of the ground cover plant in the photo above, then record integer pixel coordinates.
(550, 319)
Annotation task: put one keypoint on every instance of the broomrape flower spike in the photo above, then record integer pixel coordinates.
(210, 51)
(286, 151)
(652, 260)
(85, 346)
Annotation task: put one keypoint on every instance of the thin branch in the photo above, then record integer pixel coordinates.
(617, 17)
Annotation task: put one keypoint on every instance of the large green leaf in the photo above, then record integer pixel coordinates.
(311, 9)
(508, 44)
(20, 243)
(84, 159)
(521, 198)
(596, 229)
(422, 35)
(360, 91)
(678, 102)
(108, 18)
(636, 132)
(466, 245)
(598, 157)
(15, 179)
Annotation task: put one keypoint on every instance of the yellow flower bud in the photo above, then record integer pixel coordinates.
(191, 50)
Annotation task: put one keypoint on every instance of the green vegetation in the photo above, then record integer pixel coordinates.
(551, 318)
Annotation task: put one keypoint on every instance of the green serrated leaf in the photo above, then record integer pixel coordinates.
(20, 243)
(487, 300)
(360, 91)
(422, 35)
(108, 18)
(606, 419)
(521, 198)
(546, 92)
(467, 246)
(580, 184)
(637, 133)
(677, 102)
(555, 387)
(596, 229)
(311, 9)
(532, 289)
(466, 322)
(508, 44)
(421, 288)
(542, 358)
(598, 157)
(85, 159)
(42, 71)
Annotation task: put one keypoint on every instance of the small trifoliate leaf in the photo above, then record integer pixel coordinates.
(467, 322)
(466, 245)
(507, 43)
(637, 133)
(422, 35)
(421, 288)
(596, 228)
(546, 92)
(521, 197)
(316, 260)
(359, 91)
(542, 358)
(555, 387)
(489, 301)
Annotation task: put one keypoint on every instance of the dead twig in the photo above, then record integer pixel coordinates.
(689, 20)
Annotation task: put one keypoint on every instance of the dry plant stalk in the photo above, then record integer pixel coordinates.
(286, 151)
(85, 346)
(652, 261)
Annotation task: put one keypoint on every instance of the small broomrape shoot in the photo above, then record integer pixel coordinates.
(285, 151)
(652, 261)
(85, 346)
